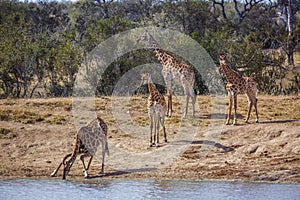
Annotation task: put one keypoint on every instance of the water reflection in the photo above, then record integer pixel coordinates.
(142, 189)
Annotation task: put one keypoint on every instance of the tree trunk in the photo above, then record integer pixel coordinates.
(290, 51)
(290, 29)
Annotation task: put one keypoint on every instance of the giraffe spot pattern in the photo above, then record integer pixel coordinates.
(91, 136)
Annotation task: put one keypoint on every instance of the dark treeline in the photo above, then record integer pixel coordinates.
(43, 43)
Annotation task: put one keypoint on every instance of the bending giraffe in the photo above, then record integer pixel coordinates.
(174, 70)
(87, 141)
(236, 84)
(156, 109)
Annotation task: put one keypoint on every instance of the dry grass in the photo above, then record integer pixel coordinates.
(297, 59)
(6, 133)
(275, 108)
(58, 110)
(40, 131)
(32, 111)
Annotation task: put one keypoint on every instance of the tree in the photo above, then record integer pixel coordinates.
(16, 49)
(43, 43)
(289, 10)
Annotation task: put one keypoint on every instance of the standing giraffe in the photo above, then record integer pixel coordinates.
(236, 84)
(156, 109)
(173, 70)
(87, 141)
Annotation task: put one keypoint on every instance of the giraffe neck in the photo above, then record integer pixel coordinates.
(162, 56)
(151, 87)
(153, 43)
(102, 124)
(154, 96)
(230, 75)
(70, 162)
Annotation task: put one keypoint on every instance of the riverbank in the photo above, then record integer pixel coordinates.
(37, 133)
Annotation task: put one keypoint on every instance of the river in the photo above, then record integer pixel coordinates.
(56, 189)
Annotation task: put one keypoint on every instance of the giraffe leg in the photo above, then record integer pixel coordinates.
(169, 111)
(162, 121)
(229, 108)
(62, 163)
(151, 128)
(86, 175)
(157, 129)
(55, 171)
(89, 163)
(249, 111)
(154, 129)
(104, 149)
(256, 111)
(235, 108)
(102, 168)
(193, 104)
(171, 104)
(193, 97)
(186, 106)
(252, 101)
(68, 164)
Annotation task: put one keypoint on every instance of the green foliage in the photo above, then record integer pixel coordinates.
(43, 44)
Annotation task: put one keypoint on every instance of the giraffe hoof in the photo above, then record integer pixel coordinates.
(157, 145)
(256, 121)
(53, 174)
(86, 175)
(166, 140)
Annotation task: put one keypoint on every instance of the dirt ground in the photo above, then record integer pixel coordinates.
(37, 133)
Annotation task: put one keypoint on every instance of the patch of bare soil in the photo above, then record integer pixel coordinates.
(267, 151)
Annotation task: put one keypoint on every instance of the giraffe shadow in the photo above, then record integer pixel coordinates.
(221, 116)
(278, 121)
(214, 144)
(120, 172)
(205, 142)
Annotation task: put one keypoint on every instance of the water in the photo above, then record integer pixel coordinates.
(142, 189)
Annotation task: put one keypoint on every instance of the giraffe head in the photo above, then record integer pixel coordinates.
(147, 37)
(67, 167)
(144, 37)
(145, 77)
(222, 59)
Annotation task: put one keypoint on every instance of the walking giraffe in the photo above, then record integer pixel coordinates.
(173, 70)
(236, 84)
(156, 109)
(87, 141)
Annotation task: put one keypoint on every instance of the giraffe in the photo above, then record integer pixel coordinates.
(156, 109)
(236, 84)
(87, 141)
(173, 70)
